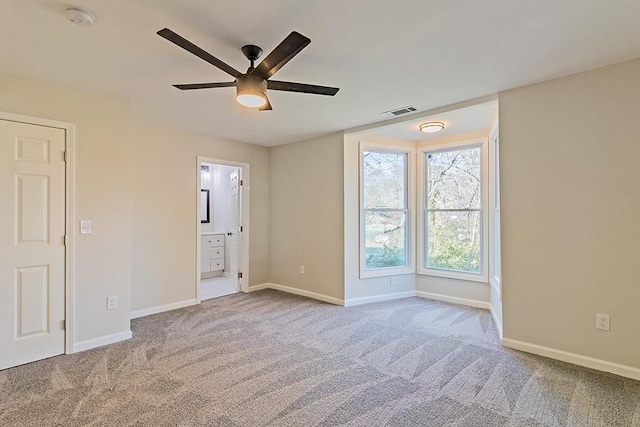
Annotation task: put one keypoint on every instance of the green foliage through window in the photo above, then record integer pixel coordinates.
(453, 210)
(384, 177)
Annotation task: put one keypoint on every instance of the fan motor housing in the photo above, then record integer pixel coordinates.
(249, 83)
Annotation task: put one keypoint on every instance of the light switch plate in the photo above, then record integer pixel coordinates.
(85, 227)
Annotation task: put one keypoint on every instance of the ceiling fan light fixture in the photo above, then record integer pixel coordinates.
(431, 127)
(251, 87)
(250, 98)
(252, 91)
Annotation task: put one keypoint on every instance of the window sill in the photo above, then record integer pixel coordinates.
(447, 274)
(386, 272)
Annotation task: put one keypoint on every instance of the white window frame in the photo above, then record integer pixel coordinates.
(496, 255)
(482, 276)
(410, 209)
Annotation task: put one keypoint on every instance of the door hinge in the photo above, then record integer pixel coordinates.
(240, 183)
(64, 240)
(239, 275)
(64, 325)
(64, 156)
(241, 229)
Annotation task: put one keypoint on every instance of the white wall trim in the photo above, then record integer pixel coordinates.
(295, 291)
(377, 298)
(70, 209)
(454, 300)
(259, 287)
(576, 359)
(101, 341)
(497, 321)
(162, 308)
(244, 211)
(495, 285)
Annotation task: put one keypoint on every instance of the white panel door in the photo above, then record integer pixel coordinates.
(234, 247)
(32, 251)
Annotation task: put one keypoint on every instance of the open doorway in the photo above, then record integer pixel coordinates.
(221, 233)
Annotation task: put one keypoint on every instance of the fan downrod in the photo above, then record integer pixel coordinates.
(251, 52)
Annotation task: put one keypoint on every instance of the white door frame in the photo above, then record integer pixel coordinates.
(244, 219)
(69, 254)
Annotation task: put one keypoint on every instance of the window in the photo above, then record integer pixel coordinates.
(453, 198)
(384, 214)
(496, 268)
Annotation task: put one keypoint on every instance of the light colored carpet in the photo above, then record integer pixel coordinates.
(272, 359)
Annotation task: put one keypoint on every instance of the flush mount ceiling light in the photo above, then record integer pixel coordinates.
(80, 16)
(431, 127)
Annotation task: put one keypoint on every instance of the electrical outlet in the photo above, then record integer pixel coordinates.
(603, 322)
(112, 302)
(302, 269)
(85, 227)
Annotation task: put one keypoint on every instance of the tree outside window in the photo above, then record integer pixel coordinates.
(385, 209)
(453, 210)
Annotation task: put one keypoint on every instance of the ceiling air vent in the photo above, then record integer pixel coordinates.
(401, 111)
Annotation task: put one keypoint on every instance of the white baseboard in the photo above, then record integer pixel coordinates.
(454, 300)
(259, 287)
(377, 298)
(161, 308)
(295, 291)
(100, 341)
(576, 359)
(365, 300)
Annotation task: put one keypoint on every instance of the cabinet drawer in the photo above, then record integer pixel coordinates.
(217, 252)
(217, 264)
(216, 240)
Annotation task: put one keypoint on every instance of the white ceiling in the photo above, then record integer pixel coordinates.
(382, 54)
(468, 119)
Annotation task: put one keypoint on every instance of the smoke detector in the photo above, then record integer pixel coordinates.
(80, 16)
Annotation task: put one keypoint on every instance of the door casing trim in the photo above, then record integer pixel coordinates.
(244, 209)
(70, 143)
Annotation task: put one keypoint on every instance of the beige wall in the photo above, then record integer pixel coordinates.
(164, 211)
(570, 198)
(137, 183)
(569, 155)
(103, 195)
(306, 221)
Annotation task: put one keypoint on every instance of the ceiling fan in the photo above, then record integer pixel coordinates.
(251, 87)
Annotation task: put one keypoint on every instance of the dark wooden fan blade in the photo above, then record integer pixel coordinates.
(266, 107)
(301, 87)
(282, 54)
(200, 53)
(192, 86)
